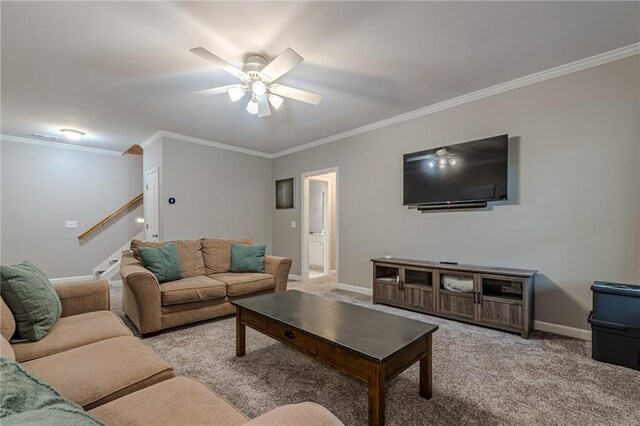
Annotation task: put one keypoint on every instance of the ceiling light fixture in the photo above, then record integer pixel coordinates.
(259, 88)
(236, 93)
(275, 101)
(72, 135)
(252, 106)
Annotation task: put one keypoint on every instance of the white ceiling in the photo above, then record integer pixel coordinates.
(120, 71)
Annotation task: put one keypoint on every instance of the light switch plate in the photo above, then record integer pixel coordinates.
(71, 224)
(293, 223)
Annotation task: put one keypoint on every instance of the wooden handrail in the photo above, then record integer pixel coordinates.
(133, 202)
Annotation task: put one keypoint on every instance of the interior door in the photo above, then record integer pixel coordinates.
(151, 205)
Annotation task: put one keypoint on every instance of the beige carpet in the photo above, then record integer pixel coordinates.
(481, 376)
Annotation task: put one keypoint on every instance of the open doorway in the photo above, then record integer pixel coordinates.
(320, 224)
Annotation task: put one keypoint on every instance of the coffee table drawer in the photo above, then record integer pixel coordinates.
(292, 336)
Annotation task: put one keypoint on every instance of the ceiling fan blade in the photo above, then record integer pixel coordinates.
(263, 107)
(208, 56)
(281, 65)
(218, 90)
(297, 94)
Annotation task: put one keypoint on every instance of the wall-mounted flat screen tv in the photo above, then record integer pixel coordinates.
(461, 173)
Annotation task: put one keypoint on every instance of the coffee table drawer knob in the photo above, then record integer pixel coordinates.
(289, 334)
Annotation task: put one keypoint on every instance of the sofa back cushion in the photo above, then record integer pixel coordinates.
(189, 254)
(217, 254)
(7, 321)
(27, 400)
(31, 298)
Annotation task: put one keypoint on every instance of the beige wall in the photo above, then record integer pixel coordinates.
(43, 187)
(575, 202)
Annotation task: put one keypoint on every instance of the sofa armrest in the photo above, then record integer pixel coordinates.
(82, 297)
(303, 414)
(140, 295)
(278, 267)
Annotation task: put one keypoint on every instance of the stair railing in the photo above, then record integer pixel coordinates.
(134, 202)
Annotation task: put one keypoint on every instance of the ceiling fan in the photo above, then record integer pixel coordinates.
(257, 78)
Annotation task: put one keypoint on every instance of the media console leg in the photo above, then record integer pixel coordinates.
(241, 334)
(426, 373)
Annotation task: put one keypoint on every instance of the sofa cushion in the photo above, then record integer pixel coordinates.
(162, 261)
(247, 257)
(175, 401)
(100, 372)
(7, 321)
(242, 283)
(31, 298)
(217, 254)
(189, 253)
(26, 400)
(194, 289)
(72, 332)
(6, 351)
(305, 413)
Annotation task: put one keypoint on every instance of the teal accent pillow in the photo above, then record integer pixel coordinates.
(247, 258)
(31, 298)
(162, 261)
(26, 400)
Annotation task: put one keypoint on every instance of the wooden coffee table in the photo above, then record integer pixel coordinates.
(369, 345)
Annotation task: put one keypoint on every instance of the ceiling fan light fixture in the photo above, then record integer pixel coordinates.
(235, 93)
(252, 106)
(275, 101)
(259, 88)
(72, 135)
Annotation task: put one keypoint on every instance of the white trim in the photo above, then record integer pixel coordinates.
(295, 277)
(355, 289)
(61, 145)
(580, 65)
(563, 330)
(184, 138)
(116, 283)
(55, 281)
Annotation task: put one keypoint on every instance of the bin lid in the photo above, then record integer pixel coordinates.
(616, 288)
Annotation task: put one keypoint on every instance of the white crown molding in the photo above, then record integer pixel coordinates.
(580, 65)
(59, 145)
(184, 138)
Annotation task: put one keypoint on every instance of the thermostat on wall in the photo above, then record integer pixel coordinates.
(172, 200)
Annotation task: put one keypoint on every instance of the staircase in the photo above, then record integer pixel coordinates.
(109, 269)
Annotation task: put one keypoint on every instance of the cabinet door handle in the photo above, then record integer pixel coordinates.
(475, 297)
(289, 334)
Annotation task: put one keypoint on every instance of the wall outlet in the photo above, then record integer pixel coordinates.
(71, 224)
(293, 223)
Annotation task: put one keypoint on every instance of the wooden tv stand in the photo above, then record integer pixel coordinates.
(499, 298)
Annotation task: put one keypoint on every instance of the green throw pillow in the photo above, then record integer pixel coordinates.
(31, 298)
(247, 258)
(25, 400)
(162, 261)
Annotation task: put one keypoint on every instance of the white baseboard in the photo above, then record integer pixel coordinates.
(563, 330)
(55, 281)
(294, 277)
(354, 289)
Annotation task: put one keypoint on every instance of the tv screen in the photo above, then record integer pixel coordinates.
(465, 172)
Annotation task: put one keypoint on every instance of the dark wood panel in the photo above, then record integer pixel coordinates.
(383, 291)
(344, 361)
(406, 358)
(292, 336)
(415, 296)
(254, 320)
(508, 314)
(457, 305)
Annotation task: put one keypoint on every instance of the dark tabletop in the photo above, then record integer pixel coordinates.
(373, 334)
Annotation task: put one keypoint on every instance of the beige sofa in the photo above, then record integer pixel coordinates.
(91, 358)
(206, 290)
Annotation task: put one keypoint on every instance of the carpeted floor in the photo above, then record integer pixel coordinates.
(481, 376)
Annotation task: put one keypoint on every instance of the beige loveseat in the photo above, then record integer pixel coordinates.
(91, 358)
(206, 290)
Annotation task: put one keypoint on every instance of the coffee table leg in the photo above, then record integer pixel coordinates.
(241, 332)
(376, 395)
(426, 373)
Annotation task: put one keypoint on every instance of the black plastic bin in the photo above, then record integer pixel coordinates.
(615, 324)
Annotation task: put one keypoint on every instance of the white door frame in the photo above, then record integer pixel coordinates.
(304, 178)
(146, 202)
